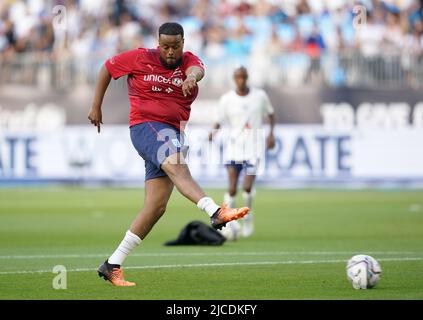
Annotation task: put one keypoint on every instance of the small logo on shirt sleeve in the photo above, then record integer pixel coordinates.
(177, 82)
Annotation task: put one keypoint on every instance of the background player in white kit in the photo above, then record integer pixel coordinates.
(243, 110)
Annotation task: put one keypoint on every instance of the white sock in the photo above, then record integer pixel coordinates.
(248, 199)
(248, 202)
(129, 242)
(229, 200)
(208, 205)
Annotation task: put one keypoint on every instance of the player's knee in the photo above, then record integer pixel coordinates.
(247, 189)
(176, 170)
(232, 191)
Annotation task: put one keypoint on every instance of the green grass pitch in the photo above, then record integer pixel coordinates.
(302, 242)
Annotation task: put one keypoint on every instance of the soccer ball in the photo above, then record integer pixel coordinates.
(363, 271)
(232, 230)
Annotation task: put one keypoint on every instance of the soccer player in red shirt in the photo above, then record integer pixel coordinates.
(162, 84)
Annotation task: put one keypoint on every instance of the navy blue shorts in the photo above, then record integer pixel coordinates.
(154, 142)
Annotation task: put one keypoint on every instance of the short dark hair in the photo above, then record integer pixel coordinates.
(241, 68)
(171, 28)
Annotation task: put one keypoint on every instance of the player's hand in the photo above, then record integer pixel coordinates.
(95, 117)
(189, 84)
(270, 141)
(210, 136)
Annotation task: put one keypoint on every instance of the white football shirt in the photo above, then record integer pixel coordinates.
(244, 117)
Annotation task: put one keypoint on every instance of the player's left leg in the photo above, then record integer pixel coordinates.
(232, 230)
(157, 194)
(177, 170)
(248, 196)
(233, 171)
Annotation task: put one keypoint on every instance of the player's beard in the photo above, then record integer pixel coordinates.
(174, 65)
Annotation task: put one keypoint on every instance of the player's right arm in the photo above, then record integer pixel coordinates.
(103, 81)
(120, 65)
(270, 112)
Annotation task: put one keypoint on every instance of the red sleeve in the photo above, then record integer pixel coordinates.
(123, 63)
(191, 59)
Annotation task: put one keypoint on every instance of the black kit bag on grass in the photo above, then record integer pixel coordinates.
(197, 233)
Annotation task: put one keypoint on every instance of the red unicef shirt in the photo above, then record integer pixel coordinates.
(155, 93)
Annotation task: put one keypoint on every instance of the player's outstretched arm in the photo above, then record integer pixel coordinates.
(103, 81)
(270, 141)
(194, 74)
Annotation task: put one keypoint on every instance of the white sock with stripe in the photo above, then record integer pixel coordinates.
(208, 205)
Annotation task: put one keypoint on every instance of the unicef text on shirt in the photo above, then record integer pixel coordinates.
(162, 79)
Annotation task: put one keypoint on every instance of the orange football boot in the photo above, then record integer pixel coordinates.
(114, 275)
(226, 214)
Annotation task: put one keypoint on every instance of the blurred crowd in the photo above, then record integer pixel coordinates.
(217, 30)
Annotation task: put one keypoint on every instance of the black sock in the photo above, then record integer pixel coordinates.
(113, 265)
(216, 211)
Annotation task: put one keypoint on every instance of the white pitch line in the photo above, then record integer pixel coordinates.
(215, 264)
(192, 254)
